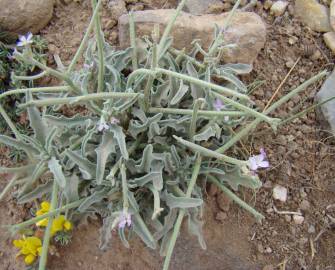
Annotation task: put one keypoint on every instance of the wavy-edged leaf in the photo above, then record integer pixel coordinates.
(63, 121)
(236, 178)
(121, 140)
(142, 231)
(182, 91)
(136, 128)
(71, 189)
(49, 140)
(36, 122)
(181, 202)
(97, 196)
(87, 168)
(231, 78)
(195, 226)
(37, 193)
(211, 131)
(88, 136)
(196, 91)
(103, 151)
(238, 68)
(57, 172)
(30, 150)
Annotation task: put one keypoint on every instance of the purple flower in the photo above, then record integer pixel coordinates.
(218, 104)
(258, 161)
(125, 220)
(103, 126)
(25, 40)
(114, 120)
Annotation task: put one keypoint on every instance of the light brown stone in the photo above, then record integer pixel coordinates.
(247, 31)
(329, 39)
(332, 14)
(22, 16)
(313, 14)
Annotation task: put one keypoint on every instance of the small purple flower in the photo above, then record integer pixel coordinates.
(25, 40)
(218, 104)
(103, 126)
(258, 161)
(125, 220)
(114, 120)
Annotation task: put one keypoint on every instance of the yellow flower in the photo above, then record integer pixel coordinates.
(60, 223)
(30, 247)
(45, 208)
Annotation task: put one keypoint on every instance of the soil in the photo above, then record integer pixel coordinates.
(301, 154)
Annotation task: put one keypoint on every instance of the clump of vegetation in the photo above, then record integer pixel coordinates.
(13, 72)
(157, 127)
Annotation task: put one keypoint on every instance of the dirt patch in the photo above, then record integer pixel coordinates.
(301, 154)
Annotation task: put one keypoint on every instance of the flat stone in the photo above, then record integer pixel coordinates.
(23, 16)
(280, 193)
(278, 8)
(313, 14)
(298, 219)
(326, 112)
(247, 31)
(329, 39)
(332, 14)
(223, 201)
(198, 7)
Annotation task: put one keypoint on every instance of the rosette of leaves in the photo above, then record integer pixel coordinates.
(149, 137)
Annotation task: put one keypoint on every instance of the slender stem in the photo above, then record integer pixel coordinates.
(193, 123)
(32, 221)
(30, 78)
(235, 198)
(245, 131)
(85, 38)
(200, 112)
(124, 187)
(73, 100)
(209, 153)
(271, 121)
(11, 183)
(221, 89)
(168, 28)
(100, 42)
(132, 34)
(9, 122)
(189, 58)
(181, 213)
(35, 90)
(47, 234)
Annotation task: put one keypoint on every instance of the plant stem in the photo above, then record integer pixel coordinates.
(100, 42)
(132, 35)
(35, 90)
(9, 122)
(200, 112)
(124, 187)
(245, 131)
(210, 153)
(73, 100)
(30, 78)
(47, 234)
(271, 121)
(193, 123)
(181, 213)
(11, 183)
(85, 38)
(221, 89)
(235, 198)
(32, 221)
(168, 28)
(189, 58)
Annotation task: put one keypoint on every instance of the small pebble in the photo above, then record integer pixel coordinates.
(288, 218)
(280, 193)
(268, 267)
(298, 219)
(221, 216)
(311, 229)
(305, 205)
(278, 8)
(329, 39)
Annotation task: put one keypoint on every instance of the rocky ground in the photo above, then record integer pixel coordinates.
(297, 197)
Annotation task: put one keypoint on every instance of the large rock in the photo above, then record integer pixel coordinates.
(247, 31)
(22, 16)
(328, 109)
(198, 7)
(332, 14)
(313, 14)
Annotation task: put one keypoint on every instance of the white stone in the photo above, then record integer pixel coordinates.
(298, 219)
(280, 193)
(278, 8)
